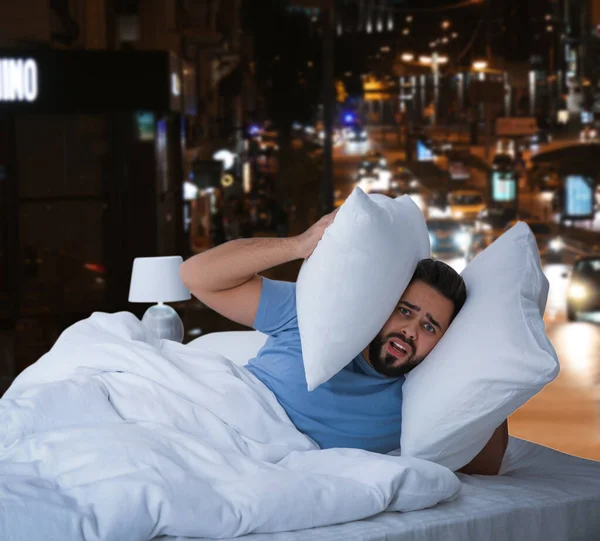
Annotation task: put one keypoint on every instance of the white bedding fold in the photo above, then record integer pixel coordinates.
(113, 435)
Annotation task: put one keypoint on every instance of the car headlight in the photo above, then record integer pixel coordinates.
(418, 200)
(463, 240)
(556, 245)
(578, 292)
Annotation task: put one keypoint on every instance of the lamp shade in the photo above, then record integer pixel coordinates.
(156, 279)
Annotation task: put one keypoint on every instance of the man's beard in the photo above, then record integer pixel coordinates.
(383, 362)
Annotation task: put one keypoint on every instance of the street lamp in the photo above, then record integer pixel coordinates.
(409, 18)
(434, 61)
(407, 57)
(406, 32)
(480, 65)
(446, 25)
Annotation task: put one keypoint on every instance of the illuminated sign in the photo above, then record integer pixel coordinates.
(504, 187)
(424, 153)
(227, 181)
(175, 84)
(54, 81)
(18, 79)
(579, 197)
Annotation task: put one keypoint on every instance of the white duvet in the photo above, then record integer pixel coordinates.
(115, 436)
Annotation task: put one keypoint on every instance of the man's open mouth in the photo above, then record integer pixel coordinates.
(398, 348)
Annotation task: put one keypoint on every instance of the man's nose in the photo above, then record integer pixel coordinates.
(410, 331)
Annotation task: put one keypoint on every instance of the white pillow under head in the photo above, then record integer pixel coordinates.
(494, 357)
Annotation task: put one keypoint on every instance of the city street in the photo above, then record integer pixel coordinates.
(566, 414)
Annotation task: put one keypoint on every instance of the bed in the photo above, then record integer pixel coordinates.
(541, 494)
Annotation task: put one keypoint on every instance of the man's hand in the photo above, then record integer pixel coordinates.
(488, 462)
(307, 241)
(226, 277)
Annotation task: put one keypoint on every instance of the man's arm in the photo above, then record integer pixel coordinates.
(488, 462)
(226, 277)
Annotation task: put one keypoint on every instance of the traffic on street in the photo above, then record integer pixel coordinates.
(463, 220)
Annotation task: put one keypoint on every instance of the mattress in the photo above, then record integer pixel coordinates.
(541, 495)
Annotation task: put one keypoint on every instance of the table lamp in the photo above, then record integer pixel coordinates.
(156, 279)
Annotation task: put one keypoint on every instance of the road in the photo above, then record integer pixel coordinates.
(566, 414)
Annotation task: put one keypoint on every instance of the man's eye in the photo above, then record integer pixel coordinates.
(429, 328)
(404, 311)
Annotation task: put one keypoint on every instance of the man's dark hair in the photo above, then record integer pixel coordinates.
(444, 279)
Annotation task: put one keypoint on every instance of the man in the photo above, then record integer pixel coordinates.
(361, 406)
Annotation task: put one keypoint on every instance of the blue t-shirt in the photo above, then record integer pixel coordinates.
(357, 408)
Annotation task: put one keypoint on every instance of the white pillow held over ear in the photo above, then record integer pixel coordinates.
(349, 286)
(494, 357)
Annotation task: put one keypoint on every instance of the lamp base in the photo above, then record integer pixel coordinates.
(164, 323)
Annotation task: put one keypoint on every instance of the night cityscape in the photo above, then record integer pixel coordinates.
(153, 128)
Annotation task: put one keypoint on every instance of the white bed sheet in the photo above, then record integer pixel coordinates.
(542, 495)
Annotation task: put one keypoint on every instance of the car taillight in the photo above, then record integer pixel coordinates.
(95, 267)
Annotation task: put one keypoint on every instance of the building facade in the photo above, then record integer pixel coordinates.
(102, 104)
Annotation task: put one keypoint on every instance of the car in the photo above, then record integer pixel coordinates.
(542, 137)
(494, 220)
(441, 147)
(465, 204)
(380, 184)
(419, 194)
(550, 245)
(355, 134)
(588, 134)
(448, 238)
(503, 162)
(458, 170)
(402, 178)
(368, 170)
(268, 141)
(381, 191)
(375, 157)
(336, 137)
(374, 167)
(583, 293)
(505, 147)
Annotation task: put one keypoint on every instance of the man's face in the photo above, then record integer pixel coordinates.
(419, 321)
